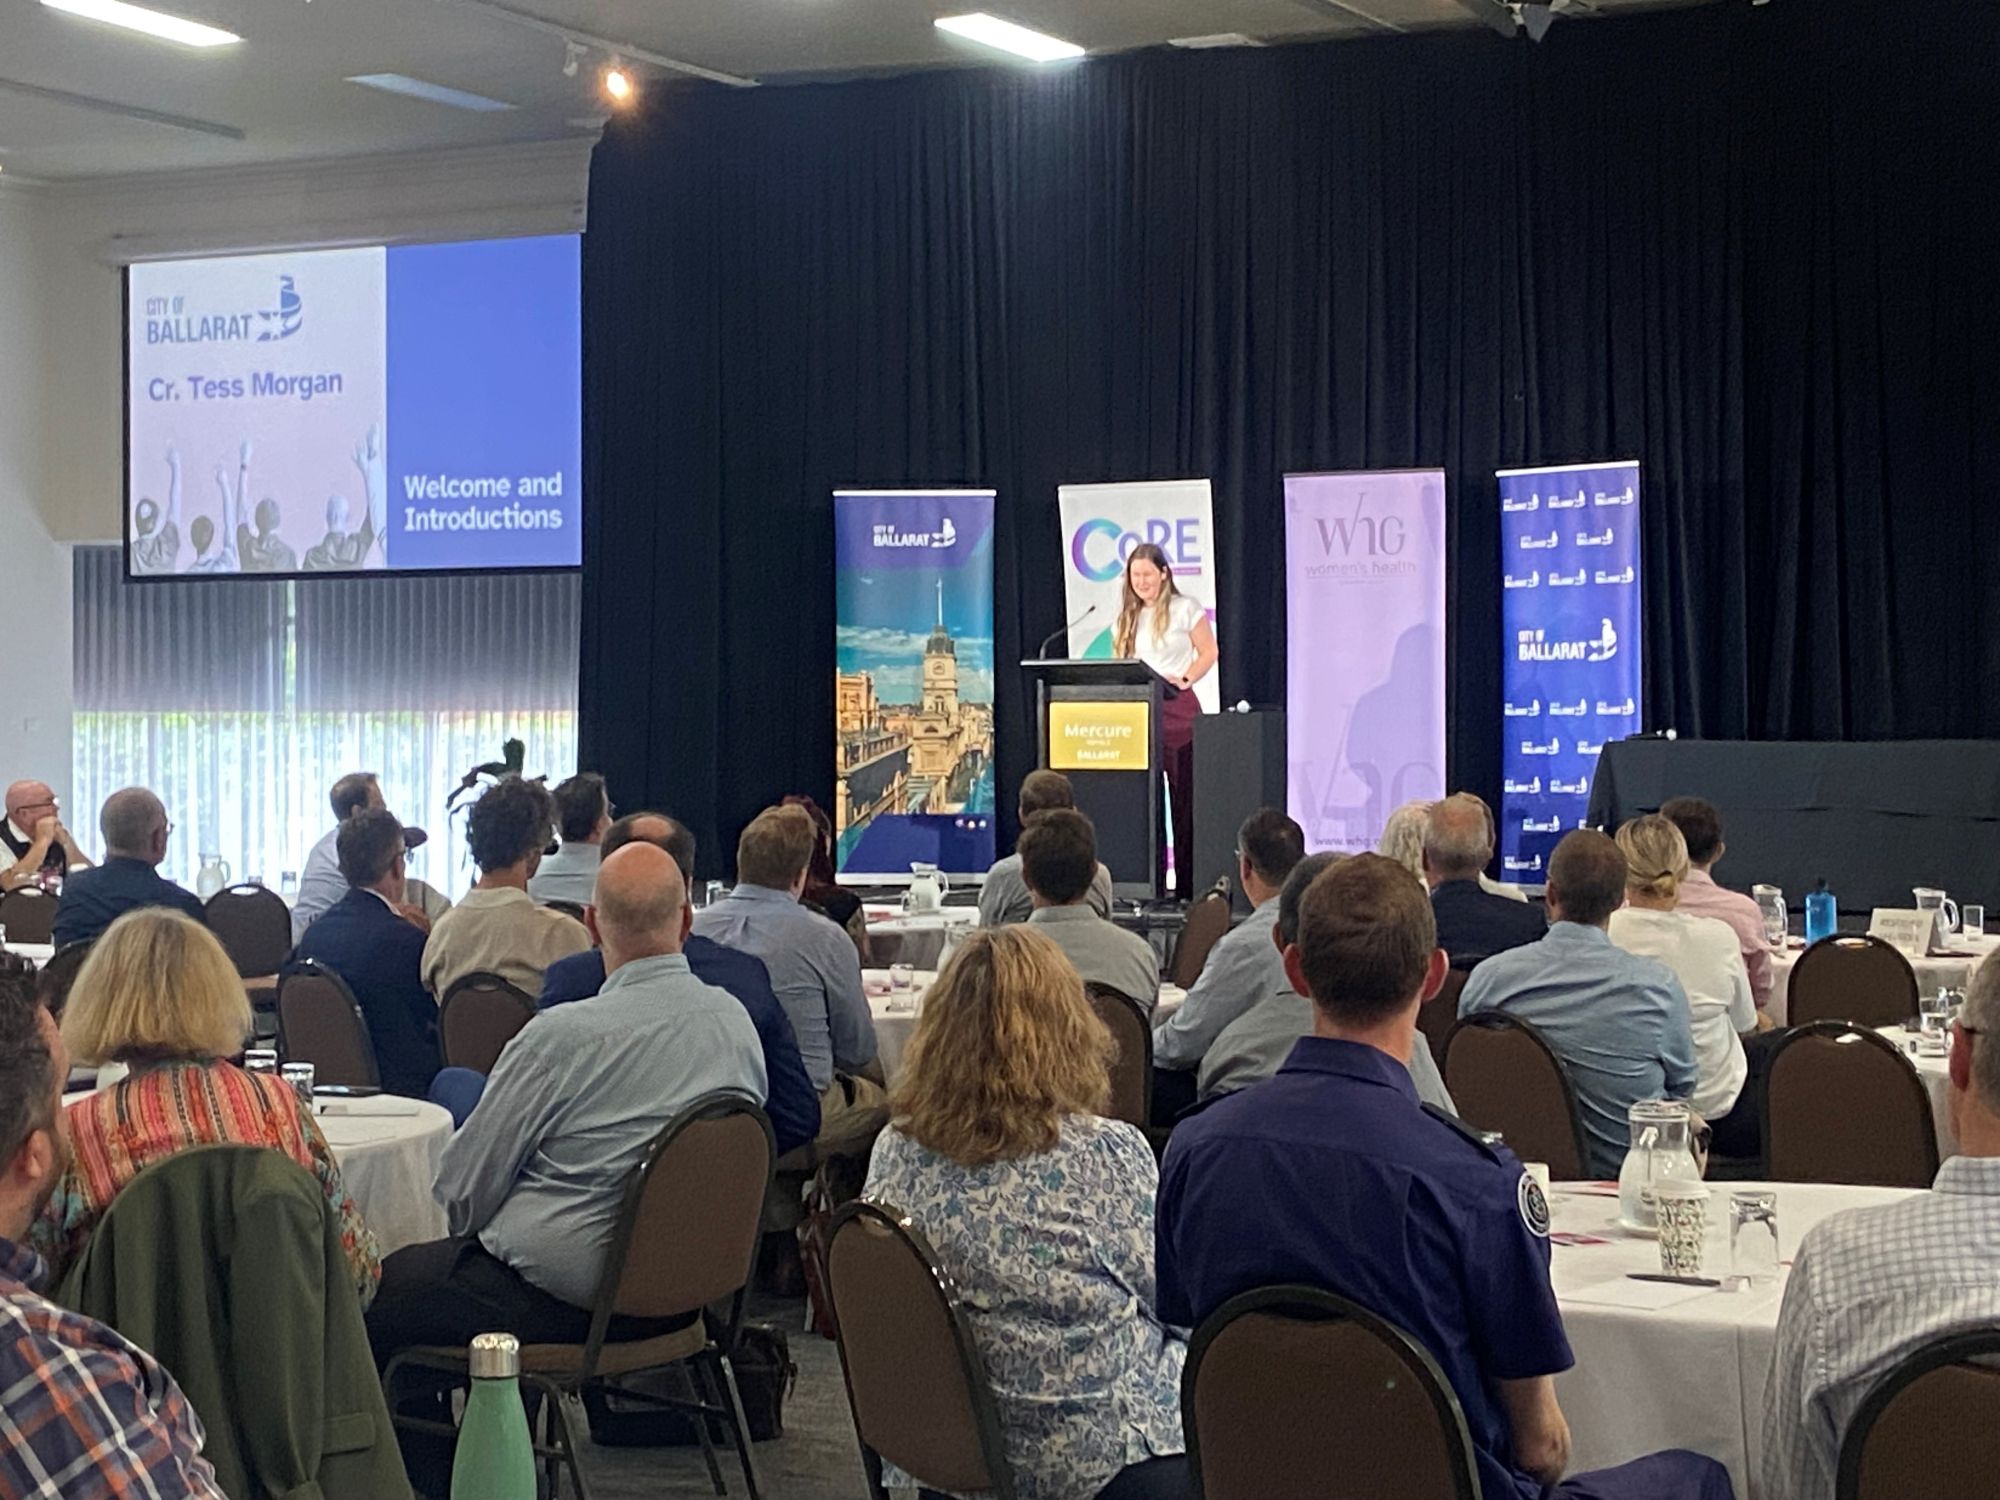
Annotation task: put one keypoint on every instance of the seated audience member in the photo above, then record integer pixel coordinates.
(823, 889)
(1004, 897)
(1332, 1175)
(1403, 841)
(794, 1103)
(497, 928)
(583, 816)
(375, 942)
(135, 829)
(1243, 968)
(86, 1413)
(159, 995)
(533, 1183)
(1701, 826)
(1618, 1023)
(1042, 1213)
(1702, 953)
(1058, 855)
(813, 966)
(34, 845)
(1255, 1045)
(1870, 1285)
(321, 886)
(1472, 925)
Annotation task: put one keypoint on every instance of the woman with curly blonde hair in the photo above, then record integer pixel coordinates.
(1042, 1213)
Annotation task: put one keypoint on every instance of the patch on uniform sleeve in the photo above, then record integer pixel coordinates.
(1534, 1206)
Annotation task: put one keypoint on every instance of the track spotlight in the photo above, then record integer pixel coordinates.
(617, 82)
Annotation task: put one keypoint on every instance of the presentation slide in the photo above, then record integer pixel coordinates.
(364, 410)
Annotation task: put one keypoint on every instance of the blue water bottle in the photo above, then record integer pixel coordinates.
(1822, 915)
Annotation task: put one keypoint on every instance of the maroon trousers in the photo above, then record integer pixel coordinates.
(1177, 716)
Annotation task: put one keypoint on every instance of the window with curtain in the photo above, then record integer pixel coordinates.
(241, 703)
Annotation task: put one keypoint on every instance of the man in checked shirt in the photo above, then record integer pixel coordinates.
(1872, 1284)
(83, 1414)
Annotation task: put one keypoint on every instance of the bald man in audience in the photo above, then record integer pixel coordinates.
(532, 1184)
(1871, 1285)
(34, 838)
(135, 829)
(1472, 923)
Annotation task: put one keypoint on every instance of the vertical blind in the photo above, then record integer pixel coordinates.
(241, 703)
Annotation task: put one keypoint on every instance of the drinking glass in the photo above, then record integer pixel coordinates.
(712, 893)
(901, 976)
(1683, 1212)
(288, 885)
(300, 1076)
(1972, 920)
(261, 1060)
(1753, 1235)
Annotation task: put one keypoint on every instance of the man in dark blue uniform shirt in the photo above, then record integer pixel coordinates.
(793, 1105)
(1331, 1174)
(135, 830)
(375, 941)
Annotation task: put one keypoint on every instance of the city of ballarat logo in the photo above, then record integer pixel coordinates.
(1534, 1207)
(888, 535)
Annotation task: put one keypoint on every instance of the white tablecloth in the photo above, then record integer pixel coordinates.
(919, 940)
(388, 1149)
(35, 953)
(1688, 1376)
(1936, 1074)
(1933, 974)
(896, 1013)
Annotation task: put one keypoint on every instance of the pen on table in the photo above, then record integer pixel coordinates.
(1672, 1280)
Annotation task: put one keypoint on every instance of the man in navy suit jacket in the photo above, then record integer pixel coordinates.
(135, 829)
(371, 940)
(1472, 924)
(793, 1105)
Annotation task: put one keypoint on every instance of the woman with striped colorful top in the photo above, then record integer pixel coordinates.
(159, 995)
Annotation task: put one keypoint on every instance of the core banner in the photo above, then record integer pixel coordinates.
(1102, 523)
(1364, 680)
(913, 695)
(1569, 576)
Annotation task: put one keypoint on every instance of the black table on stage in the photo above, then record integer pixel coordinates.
(1872, 818)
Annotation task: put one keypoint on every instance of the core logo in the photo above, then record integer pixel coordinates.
(1098, 547)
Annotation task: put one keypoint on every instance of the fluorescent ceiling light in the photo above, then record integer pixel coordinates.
(435, 93)
(991, 31)
(152, 22)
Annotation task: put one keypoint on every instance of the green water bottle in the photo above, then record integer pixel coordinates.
(496, 1457)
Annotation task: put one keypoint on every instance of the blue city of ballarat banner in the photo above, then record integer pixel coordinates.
(913, 695)
(1569, 559)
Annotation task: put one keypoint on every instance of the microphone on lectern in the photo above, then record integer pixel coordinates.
(1050, 639)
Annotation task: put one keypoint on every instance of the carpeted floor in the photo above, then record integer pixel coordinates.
(816, 1459)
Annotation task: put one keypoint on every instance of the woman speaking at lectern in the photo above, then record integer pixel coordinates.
(1170, 633)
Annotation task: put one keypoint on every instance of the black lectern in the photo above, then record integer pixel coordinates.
(1098, 722)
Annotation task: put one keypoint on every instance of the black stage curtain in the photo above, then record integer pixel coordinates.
(1753, 247)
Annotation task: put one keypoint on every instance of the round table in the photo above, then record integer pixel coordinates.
(1941, 971)
(35, 953)
(895, 1012)
(388, 1149)
(918, 939)
(1689, 1375)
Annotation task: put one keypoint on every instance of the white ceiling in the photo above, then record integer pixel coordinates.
(79, 99)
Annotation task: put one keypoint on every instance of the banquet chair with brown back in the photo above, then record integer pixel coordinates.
(320, 1022)
(1437, 1016)
(1267, 1369)
(1206, 924)
(1504, 1076)
(685, 1240)
(915, 1382)
(1843, 1105)
(480, 1015)
(1132, 1070)
(1858, 979)
(58, 976)
(1892, 1449)
(567, 908)
(254, 926)
(28, 913)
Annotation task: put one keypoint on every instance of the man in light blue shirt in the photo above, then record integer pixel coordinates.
(1242, 969)
(583, 817)
(1619, 1023)
(814, 967)
(321, 885)
(533, 1184)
